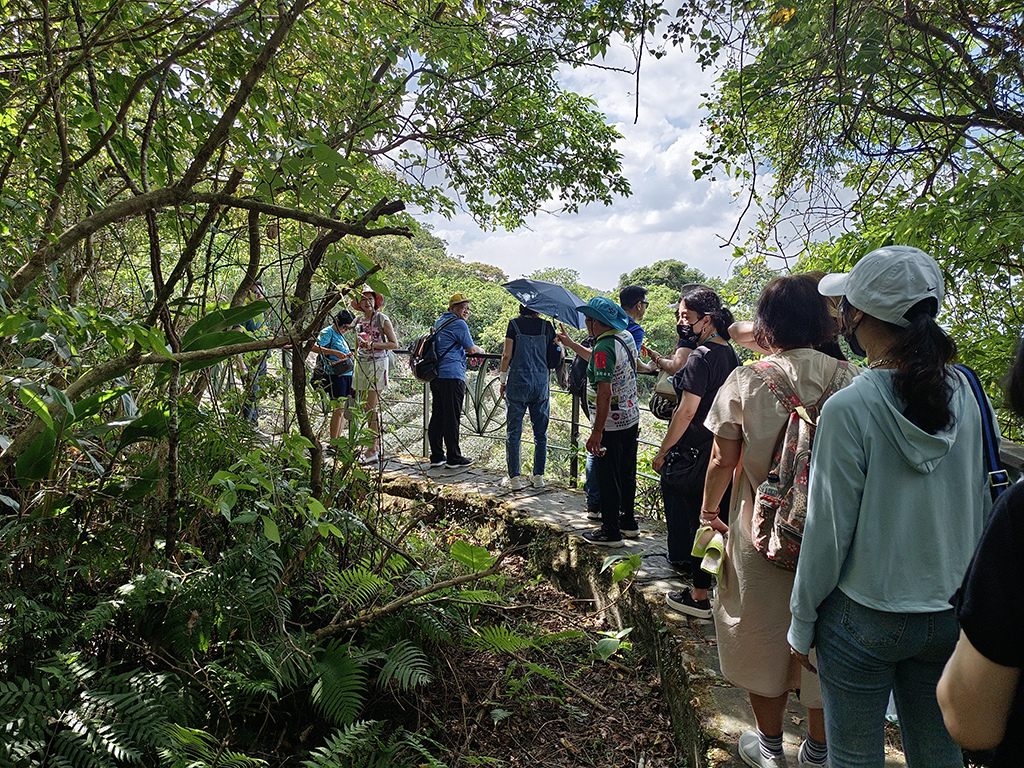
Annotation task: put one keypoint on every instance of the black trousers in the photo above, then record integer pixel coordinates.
(446, 396)
(616, 477)
(682, 518)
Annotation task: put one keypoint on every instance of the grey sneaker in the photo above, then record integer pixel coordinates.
(593, 513)
(516, 483)
(801, 763)
(750, 753)
(538, 481)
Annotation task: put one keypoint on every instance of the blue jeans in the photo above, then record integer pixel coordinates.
(591, 486)
(862, 655)
(539, 415)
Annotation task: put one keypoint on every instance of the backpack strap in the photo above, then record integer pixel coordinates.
(781, 387)
(629, 352)
(835, 384)
(998, 478)
(440, 328)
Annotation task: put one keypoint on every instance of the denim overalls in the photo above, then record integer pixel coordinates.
(527, 388)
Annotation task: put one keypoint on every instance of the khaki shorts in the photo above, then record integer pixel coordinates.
(371, 374)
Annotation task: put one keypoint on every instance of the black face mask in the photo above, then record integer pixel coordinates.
(851, 338)
(687, 334)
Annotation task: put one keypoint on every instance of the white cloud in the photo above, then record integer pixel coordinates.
(669, 215)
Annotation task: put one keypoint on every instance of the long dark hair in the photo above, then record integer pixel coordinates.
(921, 354)
(1014, 384)
(705, 301)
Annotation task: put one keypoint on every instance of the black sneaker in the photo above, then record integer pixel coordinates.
(601, 536)
(627, 531)
(684, 603)
(437, 462)
(460, 461)
(593, 513)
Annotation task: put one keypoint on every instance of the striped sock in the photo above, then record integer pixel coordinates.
(771, 746)
(812, 751)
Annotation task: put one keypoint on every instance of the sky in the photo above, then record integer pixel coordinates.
(668, 216)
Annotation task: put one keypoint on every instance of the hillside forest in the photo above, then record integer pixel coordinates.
(179, 590)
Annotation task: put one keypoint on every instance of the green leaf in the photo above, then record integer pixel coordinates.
(61, 399)
(316, 508)
(35, 463)
(11, 323)
(152, 425)
(37, 405)
(606, 647)
(477, 558)
(497, 715)
(270, 530)
(215, 339)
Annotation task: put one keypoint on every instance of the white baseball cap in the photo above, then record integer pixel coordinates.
(887, 282)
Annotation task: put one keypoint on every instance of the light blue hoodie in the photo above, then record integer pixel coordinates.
(894, 513)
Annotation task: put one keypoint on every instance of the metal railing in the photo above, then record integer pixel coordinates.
(483, 424)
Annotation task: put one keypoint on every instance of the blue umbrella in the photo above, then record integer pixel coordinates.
(548, 299)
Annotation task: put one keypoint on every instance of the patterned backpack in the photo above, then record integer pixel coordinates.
(780, 506)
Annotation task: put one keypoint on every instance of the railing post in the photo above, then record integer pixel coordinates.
(426, 418)
(574, 443)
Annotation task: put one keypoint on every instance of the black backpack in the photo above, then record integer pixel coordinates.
(423, 357)
(578, 371)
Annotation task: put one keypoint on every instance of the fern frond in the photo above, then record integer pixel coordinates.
(356, 586)
(341, 681)
(407, 665)
(500, 639)
(344, 744)
(193, 748)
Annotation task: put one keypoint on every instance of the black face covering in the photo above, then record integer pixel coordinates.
(687, 334)
(851, 338)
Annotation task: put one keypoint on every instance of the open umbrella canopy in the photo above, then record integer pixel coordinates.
(548, 299)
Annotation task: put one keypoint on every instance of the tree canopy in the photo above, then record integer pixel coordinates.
(865, 122)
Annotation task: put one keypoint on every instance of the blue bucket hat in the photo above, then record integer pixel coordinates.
(606, 311)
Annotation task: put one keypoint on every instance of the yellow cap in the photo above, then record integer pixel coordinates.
(458, 298)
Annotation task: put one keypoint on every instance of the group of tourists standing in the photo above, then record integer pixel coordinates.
(892, 507)
(844, 574)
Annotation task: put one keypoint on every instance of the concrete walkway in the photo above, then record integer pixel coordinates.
(563, 509)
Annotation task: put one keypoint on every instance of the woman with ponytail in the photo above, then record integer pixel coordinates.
(703, 322)
(897, 501)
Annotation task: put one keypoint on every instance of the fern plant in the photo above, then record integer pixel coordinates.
(368, 745)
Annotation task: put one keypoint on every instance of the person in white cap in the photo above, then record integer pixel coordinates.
(897, 500)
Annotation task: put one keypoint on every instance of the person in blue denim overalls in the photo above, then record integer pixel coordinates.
(525, 381)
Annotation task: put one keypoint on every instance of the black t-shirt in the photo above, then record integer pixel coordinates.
(705, 371)
(529, 326)
(990, 606)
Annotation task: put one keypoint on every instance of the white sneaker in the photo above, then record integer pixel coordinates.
(750, 753)
(538, 481)
(516, 483)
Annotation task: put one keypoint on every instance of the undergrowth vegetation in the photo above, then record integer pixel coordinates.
(264, 637)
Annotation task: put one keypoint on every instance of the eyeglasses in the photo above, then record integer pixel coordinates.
(645, 303)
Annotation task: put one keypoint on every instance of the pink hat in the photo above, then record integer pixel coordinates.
(378, 299)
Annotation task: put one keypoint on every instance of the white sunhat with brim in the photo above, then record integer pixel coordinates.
(887, 282)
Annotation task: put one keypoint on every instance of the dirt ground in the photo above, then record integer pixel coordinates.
(551, 703)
